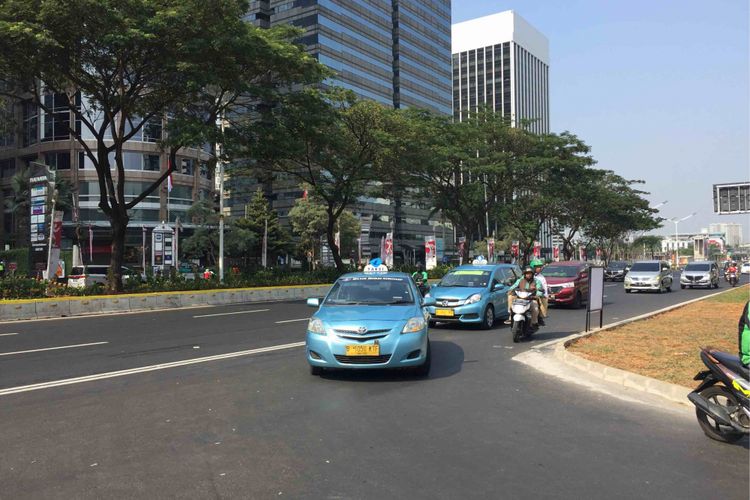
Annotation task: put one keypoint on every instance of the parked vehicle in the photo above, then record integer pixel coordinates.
(701, 273)
(568, 282)
(85, 276)
(745, 268)
(616, 270)
(721, 400)
(521, 318)
(649, 275)
(473, 294)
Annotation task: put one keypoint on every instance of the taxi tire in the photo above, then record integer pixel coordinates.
(488, 324)
(423, 370)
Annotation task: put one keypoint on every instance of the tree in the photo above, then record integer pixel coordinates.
(204, 242)
(309, 220)
(258, 217)
(329, 141)
(121, 65)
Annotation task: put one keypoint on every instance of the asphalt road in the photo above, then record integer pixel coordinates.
(259, 426)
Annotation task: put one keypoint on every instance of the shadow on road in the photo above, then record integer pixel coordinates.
(447, 360)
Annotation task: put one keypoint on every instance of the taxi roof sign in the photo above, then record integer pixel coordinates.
(375, 266)
(479, 261)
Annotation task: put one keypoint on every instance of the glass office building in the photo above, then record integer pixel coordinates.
(395, 52)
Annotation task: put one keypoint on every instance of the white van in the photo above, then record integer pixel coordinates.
(85, 276)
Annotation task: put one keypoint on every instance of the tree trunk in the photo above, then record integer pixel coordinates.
(119, 223)
(331, 238)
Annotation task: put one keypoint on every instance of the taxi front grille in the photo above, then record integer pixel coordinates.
(362, 360)
(347, 331)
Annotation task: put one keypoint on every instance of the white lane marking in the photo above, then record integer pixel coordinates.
(7, 334)
(292, 320)
(52, 348)
(608, 286)
(230, 313)
(144, 369)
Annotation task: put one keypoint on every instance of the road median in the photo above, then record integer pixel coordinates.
(31, 309)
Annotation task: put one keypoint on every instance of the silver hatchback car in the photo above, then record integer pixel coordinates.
(649, 275)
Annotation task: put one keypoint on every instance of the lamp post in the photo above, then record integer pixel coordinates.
(661, 204)
(676, 239)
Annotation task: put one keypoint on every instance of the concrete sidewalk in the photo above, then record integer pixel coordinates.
(13, 310)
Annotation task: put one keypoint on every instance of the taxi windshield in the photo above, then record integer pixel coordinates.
(375, 290)
(466, 278)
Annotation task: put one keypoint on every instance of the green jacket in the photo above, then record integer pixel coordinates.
(743, 333)
(416, 274)
(539, 286)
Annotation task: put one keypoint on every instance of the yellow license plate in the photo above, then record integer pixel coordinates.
(363, 350)
(444, 312)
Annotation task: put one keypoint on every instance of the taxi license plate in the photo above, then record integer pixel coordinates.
(363, 350)
(444, 312)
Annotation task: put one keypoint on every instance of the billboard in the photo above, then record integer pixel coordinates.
(732, 198)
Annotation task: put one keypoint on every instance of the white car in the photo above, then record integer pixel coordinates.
(745, 268)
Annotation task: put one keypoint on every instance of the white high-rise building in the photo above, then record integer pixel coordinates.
(732, 232)
(502, 62)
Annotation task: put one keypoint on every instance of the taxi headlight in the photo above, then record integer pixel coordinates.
(569, 284)
(316, 326)
(414, 325)
(473, 299)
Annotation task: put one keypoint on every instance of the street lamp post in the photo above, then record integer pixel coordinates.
(644, 232)
(676, 238)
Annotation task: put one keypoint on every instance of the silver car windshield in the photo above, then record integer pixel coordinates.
(645, 267)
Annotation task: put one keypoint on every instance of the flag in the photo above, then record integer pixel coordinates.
(304, 194)
(169, 183)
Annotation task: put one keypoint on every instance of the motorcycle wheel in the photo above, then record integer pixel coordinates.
(517, 330)
(720, 395)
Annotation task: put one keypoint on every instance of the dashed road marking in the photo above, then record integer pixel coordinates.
(230, 313)
(52, 348)
(292, 320)
(7, 334)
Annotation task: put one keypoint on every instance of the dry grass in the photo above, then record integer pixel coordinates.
(666, 346)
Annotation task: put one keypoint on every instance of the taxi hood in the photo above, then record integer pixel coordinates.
(454, 292)
(365, 313)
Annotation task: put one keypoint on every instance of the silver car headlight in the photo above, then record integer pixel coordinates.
(474, 299)
(655, 279)
(414, 325)
(315, 325)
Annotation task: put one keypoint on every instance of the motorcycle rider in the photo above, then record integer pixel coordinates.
(743, 334)
(731, 269)
(529, 283)
(420, 278)
(543, 300)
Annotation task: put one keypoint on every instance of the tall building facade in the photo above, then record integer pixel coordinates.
(43, 138)
(395, 52)
(732, 232)
(500, 62)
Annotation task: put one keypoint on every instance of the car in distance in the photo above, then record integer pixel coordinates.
(702, 273)
(649, 275)
(473, 294)
(745, 268)
(374, 319)
(616, 270)
(568, 282)
(86, 276)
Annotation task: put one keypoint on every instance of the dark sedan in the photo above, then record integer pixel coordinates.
(616, 270)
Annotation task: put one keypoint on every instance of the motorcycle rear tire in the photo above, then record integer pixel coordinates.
(517, 330)
(714, 430)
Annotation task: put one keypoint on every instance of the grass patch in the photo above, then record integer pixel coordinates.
(666, 346)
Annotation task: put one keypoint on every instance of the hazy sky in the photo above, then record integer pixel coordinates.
(658, 89)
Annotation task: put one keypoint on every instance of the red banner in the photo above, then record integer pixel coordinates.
(514, 248)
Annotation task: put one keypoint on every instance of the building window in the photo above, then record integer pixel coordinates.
(152, 130)
(56, 122)
(30, 131)
(7, 167)
(151, 163)
(186, 166)
(58, 161)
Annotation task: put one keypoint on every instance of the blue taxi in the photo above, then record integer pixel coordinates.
(473, 294)
(372, 319)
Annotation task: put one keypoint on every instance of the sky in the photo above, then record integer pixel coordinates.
(658, 89)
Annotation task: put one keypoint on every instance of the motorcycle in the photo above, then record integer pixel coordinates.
(732, 278)
(521, 313)
(422, 286)
(722, 400)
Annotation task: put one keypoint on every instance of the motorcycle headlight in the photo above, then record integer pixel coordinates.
(570, 284)
(414, 325)
(316, 326)
(473, 299)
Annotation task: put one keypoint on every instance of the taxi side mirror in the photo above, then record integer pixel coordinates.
(313, 302)
(428, 301)
(497, 286)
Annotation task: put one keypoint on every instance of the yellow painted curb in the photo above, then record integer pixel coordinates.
(153, 294)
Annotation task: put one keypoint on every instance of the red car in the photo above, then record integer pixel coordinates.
(568, 282)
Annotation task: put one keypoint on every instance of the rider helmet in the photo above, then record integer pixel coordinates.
(528, 269)
(537, 263)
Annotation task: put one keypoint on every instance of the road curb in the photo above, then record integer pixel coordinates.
(64, 307)
(671, 392)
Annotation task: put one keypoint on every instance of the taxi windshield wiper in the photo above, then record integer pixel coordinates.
(342, 302)
(400, 302)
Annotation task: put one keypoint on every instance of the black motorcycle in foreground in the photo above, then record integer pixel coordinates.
(722, 400)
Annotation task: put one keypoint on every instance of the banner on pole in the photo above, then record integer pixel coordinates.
(556, 254)
(430, 252)
(461, 247)
(537, 249)
(388, 260)
(491, 249)
(514, 248)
